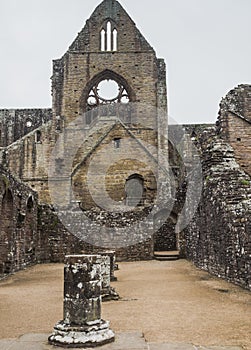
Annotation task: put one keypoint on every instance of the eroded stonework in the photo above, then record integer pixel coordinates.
(234, 123)
(85, 124)
(82, 325)
(19, 240)
(219, 238)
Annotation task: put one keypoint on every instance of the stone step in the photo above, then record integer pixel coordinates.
(166, 256)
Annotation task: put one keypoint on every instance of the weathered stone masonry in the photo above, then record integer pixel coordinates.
(234, 123)
(82, 325)
(16, 123)
(141, 77)
(219, 238)
(57, 241)
(19, 241)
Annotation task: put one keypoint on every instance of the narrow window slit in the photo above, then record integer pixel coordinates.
(109, 36)
(115, 38)
(102, 40)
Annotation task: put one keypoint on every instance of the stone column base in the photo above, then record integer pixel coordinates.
(109, 295)
(90, 336)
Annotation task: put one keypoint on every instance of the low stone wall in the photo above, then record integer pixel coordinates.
(219, 238)
(56, 241)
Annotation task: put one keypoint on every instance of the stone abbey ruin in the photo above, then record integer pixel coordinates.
(94, 139)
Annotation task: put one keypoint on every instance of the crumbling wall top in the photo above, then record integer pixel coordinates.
(238, 102)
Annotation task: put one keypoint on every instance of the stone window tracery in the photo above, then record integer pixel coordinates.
(107, 92)
(107, 95)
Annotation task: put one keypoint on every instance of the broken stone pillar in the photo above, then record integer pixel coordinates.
(112, 256)
(82, 325)
(107, 292)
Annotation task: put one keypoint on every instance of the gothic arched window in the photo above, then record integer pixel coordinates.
(109, 37)
(107, 94)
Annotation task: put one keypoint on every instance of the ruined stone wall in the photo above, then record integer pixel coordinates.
(165, 237)
(219, 238)
(18, 224)
(56, 241)
(16, 123)
(29, 158)
(134, 66)
(133, 62)
(234, 124)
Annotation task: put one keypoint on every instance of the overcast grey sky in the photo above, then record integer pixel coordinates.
(206, 45)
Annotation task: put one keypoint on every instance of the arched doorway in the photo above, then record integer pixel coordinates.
(134, 190)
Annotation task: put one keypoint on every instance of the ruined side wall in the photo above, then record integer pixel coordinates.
(219, 238)
(28, 159)
(16, 123)
(237, 132)
(18, 225)
(234, 124)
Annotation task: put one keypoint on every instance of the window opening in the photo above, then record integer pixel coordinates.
(117, 143)
(108, 89)
(108, 96)
(105, 92)
(38, 136)
(109, 38)
(115, 40)
(102, 40)
(29, 123)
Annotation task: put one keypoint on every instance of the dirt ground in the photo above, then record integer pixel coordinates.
(167, 301)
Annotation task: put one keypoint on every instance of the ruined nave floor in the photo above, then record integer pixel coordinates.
(169, 302)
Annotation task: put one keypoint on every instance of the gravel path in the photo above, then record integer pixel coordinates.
(167, 301)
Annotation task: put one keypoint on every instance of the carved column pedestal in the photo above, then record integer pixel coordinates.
(82, 325)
